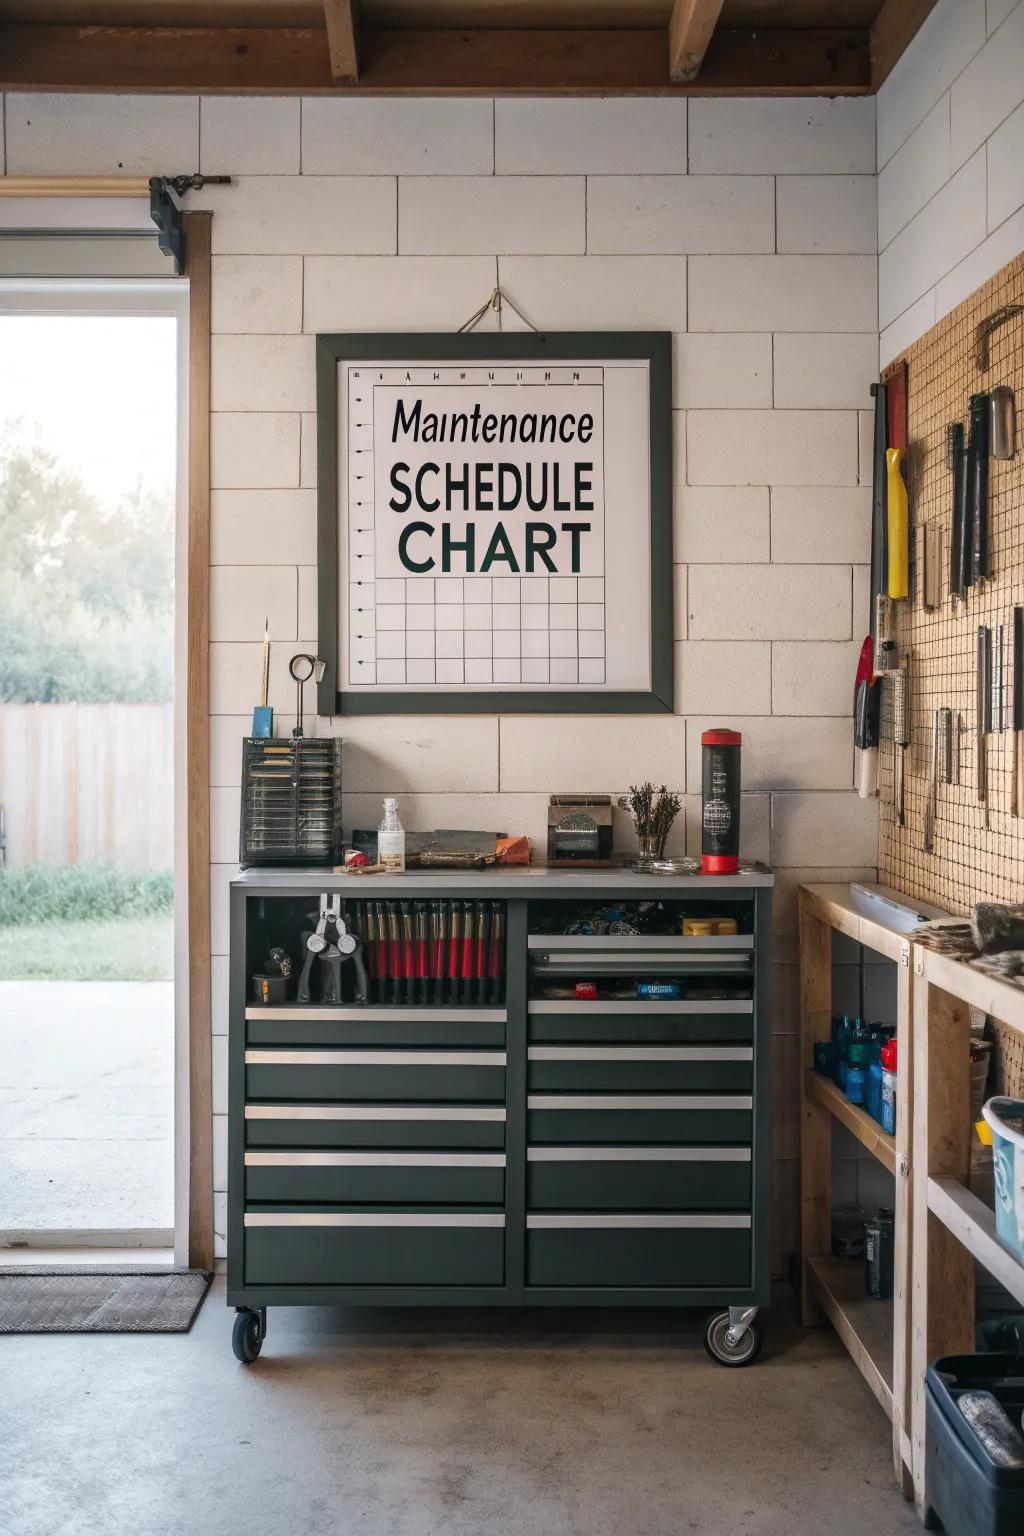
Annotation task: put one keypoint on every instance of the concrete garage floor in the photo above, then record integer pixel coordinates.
(452, 1424)
(86, 1105)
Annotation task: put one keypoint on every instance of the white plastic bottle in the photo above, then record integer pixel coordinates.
(391, 839)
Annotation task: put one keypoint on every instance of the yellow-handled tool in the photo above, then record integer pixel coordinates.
(899, 526)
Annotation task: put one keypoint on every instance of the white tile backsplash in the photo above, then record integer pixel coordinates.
(661, 214)
(254, 450)
(946, 42)
(600, 135)
(825, 371)
(950, 188)
(769, 602)
(476, 215)
(731, 370)
(249, 135)
(54, 134)
(787, 137)
(256, 294)
(782, 447)
(783, 293)
(396, 136)
(304, 215)
(827, 215)
(566, 292)
(935, 240)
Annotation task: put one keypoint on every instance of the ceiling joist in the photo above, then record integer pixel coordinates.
(896, 25)
(342, 40)
(400, 61)
(690, 29)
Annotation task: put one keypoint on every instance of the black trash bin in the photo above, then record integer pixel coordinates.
(967, 1493)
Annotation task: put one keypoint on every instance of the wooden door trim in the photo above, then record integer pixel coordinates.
(197, 232)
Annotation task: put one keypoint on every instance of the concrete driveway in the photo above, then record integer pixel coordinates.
(86, 1105)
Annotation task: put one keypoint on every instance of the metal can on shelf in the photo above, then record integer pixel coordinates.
(879, 1253)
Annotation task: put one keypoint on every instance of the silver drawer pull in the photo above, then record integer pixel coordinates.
(730, 1005)
(638, 1154)
(640, 1101)
(570, 1223)
(375, 1058)
(372, 1219)
(411, 1015)
(438, 1113)
(659, 962)
(630, 943)
(375, 1159)
(641, 1053)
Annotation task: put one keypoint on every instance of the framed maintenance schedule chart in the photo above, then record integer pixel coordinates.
(495, 522)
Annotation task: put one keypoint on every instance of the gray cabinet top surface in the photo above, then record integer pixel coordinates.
(533, 881)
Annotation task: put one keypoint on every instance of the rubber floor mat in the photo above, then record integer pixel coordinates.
(109, 1300)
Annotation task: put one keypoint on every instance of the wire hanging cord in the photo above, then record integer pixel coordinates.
(495, 300)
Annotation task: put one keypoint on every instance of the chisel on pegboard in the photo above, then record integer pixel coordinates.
(983, 707)
(1017, 798)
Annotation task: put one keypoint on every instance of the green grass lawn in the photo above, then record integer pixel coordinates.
(116, 949)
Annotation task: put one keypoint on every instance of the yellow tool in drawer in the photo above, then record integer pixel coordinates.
(707, 927)
(899, 527)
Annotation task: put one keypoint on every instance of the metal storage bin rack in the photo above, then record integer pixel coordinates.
(544, 1152)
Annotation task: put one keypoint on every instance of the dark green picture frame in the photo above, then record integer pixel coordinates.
(652, 347)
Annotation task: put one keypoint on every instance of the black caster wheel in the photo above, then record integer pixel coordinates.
(247, 1335)
(744, 1352)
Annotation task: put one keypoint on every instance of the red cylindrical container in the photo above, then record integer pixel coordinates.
(720, 807)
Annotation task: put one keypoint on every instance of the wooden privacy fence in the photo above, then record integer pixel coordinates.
(88, 783)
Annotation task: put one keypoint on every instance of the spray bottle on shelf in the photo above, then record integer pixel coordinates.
(391, 839)
(889, 1088)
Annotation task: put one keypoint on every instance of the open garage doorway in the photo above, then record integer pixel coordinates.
(91, 456)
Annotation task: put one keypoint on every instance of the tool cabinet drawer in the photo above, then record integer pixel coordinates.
(688, 1068)
(716, 1021)
(374, 1248)
(638, 1178)
(639, 1119)
(295, 1025)
(691, 1250)
(442, 1076)
(351, 1178)
(395, 1126)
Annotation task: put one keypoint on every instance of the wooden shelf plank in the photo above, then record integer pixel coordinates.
(857, 1121)
(864, 1324)
(971, 1221)
(1002, 999)
(867, 922)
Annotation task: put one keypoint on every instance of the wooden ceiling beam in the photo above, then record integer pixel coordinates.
(690, 29)
(892, 32)
(342, 40)
(741, 62)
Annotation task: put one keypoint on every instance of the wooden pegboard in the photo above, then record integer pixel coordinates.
(979, 854)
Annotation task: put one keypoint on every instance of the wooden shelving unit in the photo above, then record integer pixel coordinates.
(821, 1090)
(864, 1325)
(876, 1333)
(952, 1227)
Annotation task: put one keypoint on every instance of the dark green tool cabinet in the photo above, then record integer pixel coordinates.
(550, 1149)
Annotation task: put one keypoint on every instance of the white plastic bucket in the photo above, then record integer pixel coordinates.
(1008, 1171)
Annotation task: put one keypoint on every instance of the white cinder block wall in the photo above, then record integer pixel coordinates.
(748, 229)
(950, 165)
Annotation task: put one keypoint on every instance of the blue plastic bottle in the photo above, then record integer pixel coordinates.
(875, 1082)
(856, 1084)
